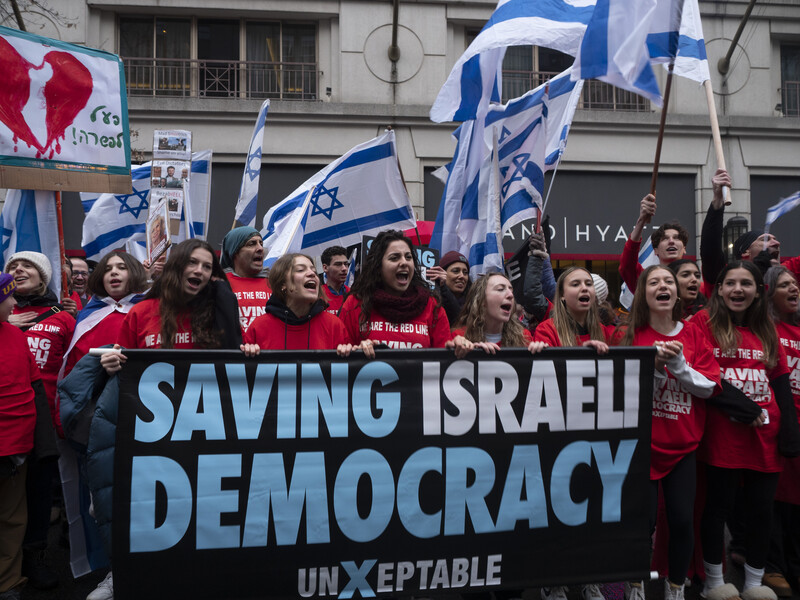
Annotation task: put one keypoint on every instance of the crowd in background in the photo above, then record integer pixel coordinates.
(725, 436)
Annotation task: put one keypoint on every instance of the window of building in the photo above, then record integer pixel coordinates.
(234, 58)
(790, 80)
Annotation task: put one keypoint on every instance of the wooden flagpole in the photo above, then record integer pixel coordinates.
(712, 115)
(61, 248)
(660, 141)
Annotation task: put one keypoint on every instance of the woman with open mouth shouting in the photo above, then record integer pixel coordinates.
(488, 321)
(390, 303)
(296, 318)
(783, 560)
(746, 346)
(686, 373)
(575, 317)
(575, 321)
(190, 306)
(690, 285)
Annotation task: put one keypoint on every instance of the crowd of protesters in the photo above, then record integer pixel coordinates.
(715, 333)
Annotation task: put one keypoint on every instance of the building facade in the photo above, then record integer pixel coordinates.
(326, 66)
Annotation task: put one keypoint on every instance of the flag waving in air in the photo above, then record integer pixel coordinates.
(360, 193)
(476, 77)
(248, 193)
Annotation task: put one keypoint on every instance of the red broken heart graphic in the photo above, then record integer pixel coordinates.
(65, 95)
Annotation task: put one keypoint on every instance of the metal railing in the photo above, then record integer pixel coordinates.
(220, 78)
(596, 94)
(790, 99)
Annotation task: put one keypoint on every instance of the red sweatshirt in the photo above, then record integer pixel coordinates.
(322, 332)
(789, 483)
(17, 406)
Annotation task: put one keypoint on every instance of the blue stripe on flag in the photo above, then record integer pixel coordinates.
(110, 238)
(141, 173)
(471, 88)
(200, 166)
(552, 10)
(287, 207)
(333, 232)
(662, 44)
(594, 47)
(518, 202)
(483, 249)
(248, 213)
(362, 157)
(27, 223)
(469, 206)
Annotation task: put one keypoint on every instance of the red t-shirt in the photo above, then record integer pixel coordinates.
(17, 405)
(730, 444)
(430, 329)
(48, 340)
(546, 332)
(679, 418)
(789, 482)
(321, 332)
(142, 328)
(252, 294)
(525, 333)
(335, 301)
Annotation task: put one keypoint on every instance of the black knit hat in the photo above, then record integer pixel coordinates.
(744, 241)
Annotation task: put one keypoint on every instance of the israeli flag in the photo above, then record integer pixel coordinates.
(120, 220)
(248, 192)
(686, 44)
(29, 222)
(533, 133)
(481, 232)
(613, 48)
(780, 209)
(360, 193)
(647, 257)
(475, 80)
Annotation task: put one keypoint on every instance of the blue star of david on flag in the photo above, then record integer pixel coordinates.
(253, 171)
(520, 160)
(5, 239)
(320, 191)
(134, 210)
(503, 135)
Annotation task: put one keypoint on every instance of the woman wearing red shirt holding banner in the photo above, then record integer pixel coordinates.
(575, 317)
(190, 306)
(390, 303)
(488, 320)
(686, 373)
(745, 343)
(296, 318)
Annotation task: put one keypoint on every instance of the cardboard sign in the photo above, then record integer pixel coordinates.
(63, 116)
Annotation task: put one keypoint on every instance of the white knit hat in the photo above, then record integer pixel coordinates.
(38, 260)
(600, 288)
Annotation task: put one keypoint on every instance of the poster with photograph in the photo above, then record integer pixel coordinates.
(170, 174)
(173, 199)
(172, 143)
(158, 239)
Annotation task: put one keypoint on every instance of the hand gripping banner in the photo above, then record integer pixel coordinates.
(300, 474)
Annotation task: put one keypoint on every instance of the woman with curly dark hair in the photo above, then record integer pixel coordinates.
(690, 285)
(390, 303)
(190, 306)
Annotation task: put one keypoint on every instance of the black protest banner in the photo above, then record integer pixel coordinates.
(302, 474)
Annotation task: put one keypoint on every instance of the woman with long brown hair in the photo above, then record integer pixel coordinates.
(488, 319)
(737, 325)
(575, 318)
(190, 306)
(685, 375)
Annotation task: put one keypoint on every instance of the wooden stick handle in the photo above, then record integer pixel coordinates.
(715, 135)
